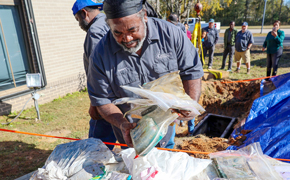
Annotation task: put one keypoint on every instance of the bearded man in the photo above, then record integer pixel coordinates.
(138, 49)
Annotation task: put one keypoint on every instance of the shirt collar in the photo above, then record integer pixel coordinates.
(152, 34)
(96, 18)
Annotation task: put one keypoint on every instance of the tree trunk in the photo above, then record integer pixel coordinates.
(187, 8)
(158, 6)
(280, 9)
(246, 10)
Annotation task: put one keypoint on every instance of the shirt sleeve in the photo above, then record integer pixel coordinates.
(265, 42)
(86, 63)
(94, 39)
(99, 88)
(236, 37)
(225, 38)
(251, 40)
(280, 39)
(188, 60)
(216, 37)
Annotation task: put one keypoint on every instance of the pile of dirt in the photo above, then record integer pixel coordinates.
(222, 98)
(202, 143)
(228, 99)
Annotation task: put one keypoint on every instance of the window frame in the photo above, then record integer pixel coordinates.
(32, 45)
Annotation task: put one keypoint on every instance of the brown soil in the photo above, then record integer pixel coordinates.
(18, 158)
(202, 143)
(228, 99)
(219, 97)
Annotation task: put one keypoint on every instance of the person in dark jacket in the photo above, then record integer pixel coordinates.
(212, 36)
(274, 45)
(229, 45)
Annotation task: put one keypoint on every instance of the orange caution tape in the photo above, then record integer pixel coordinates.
(116, 144)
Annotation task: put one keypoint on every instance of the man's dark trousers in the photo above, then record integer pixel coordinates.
(228, 50)
(211, 51)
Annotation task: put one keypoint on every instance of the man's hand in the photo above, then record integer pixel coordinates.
(263, 49)
(94, 113)
(125, 128)
(184, 115)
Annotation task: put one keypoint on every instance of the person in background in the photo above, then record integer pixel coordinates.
(244, 42)
(173, 18)
(229, 45)
(188, 33)
(274, 45)
(212, 36)
(92, 21)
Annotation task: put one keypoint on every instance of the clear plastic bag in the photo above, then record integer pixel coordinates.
(151, 129)
(246, 163)
(165, 93)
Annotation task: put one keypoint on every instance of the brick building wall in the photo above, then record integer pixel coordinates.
(61, 43)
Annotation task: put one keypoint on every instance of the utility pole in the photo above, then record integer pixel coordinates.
(263, 17)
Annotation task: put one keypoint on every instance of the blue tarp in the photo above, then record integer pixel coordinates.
(269, 120)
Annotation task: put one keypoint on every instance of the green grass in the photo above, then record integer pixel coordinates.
(21, 154)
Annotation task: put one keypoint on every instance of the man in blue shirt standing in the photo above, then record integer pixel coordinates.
(244, 41)
(92, 21)
(212, 36)
(138, 49)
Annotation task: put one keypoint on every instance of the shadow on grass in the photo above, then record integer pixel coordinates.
(19, 158)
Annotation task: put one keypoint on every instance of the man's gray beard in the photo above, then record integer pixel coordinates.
(139, 43)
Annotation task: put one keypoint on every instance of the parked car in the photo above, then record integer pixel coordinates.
(192, 21)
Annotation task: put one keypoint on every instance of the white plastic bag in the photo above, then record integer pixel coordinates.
(68, 159)
(51, 172)
(170, 165)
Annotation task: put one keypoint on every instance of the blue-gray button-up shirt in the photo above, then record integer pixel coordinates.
(95, 33)
(181, 26)
(166, 49)
(212, 37)
(243, 40)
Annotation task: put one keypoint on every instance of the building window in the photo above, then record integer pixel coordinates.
(19, 47)
(14, 62)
